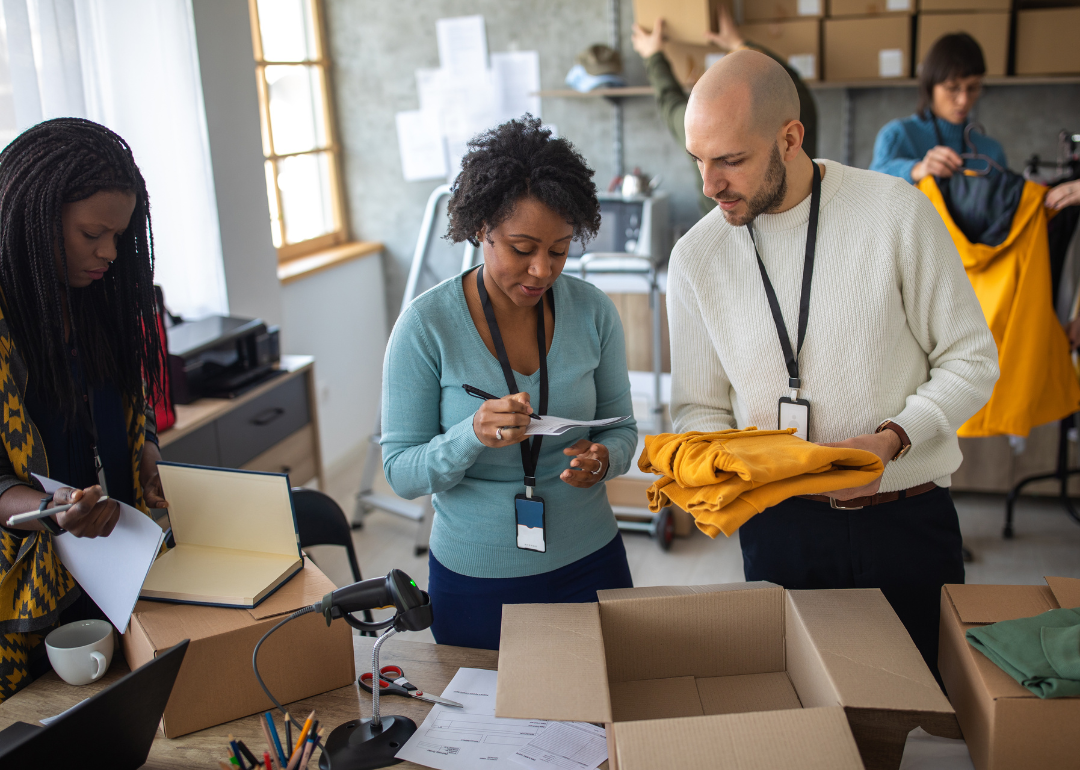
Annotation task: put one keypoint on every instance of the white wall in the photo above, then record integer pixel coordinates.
(339, 316)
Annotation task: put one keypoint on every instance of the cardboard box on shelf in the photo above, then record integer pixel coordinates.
(685, 21)
(1005, 725)
(1046, 41)
(216, 683)
(689, 62)
(798, 42)
(872, 48)
(781, 10)
(990, 30)
(952, 6)
(684, 656)
(843, 8)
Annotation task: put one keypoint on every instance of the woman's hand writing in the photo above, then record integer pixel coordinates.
(939, 161)
(589, 466)
(87, 517)
(502, 421)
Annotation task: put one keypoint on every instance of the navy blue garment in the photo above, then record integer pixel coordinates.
(67, 441)
(983, 206)
(468, 610)
(907, 548)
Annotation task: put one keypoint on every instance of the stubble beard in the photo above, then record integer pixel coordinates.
(768, 198)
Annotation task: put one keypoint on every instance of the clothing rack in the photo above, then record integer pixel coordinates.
(1061, 473)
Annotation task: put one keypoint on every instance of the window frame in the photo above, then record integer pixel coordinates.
(340, 233)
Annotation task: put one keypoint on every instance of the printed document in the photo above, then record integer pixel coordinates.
(549, 425)
(564, 746)
(111, 569)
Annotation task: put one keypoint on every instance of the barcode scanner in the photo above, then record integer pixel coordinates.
(396, 589)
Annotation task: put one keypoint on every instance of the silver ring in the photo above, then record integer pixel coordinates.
(498, 434)
(599, 466)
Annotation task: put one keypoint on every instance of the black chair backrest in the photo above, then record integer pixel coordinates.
(321, 521)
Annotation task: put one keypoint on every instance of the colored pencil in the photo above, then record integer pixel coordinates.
(308, 749)
(282, 760)
(288, 737)
(269, 743)
(295, 758)
(267, 762)
(248, 755)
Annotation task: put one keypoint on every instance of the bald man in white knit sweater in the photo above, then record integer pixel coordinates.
(896, 352)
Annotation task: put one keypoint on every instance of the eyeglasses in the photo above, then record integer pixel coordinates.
(954, 90)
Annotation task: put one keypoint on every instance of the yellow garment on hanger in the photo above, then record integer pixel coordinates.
(724, 478)
(1012, 281)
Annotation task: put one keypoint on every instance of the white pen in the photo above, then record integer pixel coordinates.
(35, 515)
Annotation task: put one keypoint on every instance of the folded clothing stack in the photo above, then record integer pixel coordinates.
(1041, 653)
(724, 478)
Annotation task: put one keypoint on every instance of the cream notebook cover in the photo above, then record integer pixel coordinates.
(235, 533)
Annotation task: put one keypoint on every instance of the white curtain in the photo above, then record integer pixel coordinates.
(131, 65)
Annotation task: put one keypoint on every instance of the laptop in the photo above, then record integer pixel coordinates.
(111, 729)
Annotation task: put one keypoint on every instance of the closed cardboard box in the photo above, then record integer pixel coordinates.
(798, 42)
(867, 49)
(216, 683)
(990, 30)
(1048, 41)
(937, 6)
(743, 675)
(688, 63)
(782, 10)
(685, 21)
(1005, 725)
(841, 8)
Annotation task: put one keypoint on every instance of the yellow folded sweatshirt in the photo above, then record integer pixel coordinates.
(724, 478)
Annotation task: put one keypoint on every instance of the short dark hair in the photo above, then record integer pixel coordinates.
(518, 159)
(956, 55)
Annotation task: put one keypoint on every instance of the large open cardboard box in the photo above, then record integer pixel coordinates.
(216, 683)
(682, 656)
(1004, 724)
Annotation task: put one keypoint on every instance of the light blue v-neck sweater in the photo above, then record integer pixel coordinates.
(429, 446)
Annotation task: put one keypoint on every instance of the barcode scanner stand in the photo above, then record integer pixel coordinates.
(361, 744)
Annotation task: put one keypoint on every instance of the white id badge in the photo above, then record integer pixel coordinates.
(795, 413)
(529, 514)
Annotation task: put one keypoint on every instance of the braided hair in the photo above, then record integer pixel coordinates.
(516, 160)
(114, 325)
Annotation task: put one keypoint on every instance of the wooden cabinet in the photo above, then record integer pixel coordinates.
(273, 427)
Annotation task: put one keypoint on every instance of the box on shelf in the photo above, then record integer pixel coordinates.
(1004, 724)
(685, 21)
(781, 10)
(798, 42)
(1047, 43)
(216, 683)
(947, 6)
(689, 62)
(842, 8)
(707, 671)
(872, 48)
(990, 30)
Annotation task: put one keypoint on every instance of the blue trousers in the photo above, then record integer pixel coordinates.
(907, 548)
(468, 610)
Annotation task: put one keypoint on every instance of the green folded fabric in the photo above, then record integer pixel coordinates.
(1041, 653)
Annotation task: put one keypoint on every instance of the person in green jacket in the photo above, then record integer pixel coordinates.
(672, 99)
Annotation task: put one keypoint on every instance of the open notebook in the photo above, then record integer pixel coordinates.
(236, 537)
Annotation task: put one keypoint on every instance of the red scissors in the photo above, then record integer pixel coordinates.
(392, 681)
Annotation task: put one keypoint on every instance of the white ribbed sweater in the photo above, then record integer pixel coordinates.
(895, 330)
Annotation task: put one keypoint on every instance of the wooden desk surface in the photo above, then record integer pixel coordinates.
(429, 666)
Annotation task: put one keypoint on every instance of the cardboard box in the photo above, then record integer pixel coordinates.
(937, 6)
(689, 63)
(1004, 724)
(867, 49)
(990, 30)
(685, 21)
(685, 655)
(1046, 41)
(843, 8)
(781, 10)
(631, 492)
(216, 683)
(798, 42)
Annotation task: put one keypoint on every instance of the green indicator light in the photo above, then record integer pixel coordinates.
(412, 582)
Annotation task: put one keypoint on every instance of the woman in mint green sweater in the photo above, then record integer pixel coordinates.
(512, 525)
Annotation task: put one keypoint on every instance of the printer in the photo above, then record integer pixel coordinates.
(220, 356)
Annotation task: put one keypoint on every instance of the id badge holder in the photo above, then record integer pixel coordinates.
(529, 515)
(794, 413)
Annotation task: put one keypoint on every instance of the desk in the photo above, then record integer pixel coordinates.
(429, 666)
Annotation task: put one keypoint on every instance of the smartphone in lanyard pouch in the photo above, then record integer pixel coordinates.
(529, 515)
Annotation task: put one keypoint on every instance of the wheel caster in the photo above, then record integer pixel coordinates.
(665, 529)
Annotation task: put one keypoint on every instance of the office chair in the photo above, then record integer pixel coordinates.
(321, 521)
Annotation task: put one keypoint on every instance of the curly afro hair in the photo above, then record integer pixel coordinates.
(515, 160)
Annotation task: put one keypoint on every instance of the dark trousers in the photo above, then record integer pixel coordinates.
(468, 610)
(907, 548)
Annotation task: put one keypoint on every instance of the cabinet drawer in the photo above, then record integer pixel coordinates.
(200, 447)
(295, 455)
(251, 429)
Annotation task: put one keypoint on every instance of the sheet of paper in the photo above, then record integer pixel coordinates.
(462, 44)
(420, 142)
(516, 77)
(924, 751)
(564, 746)
(111, 569)
(549, 425)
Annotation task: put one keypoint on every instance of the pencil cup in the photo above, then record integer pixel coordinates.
(81, 652)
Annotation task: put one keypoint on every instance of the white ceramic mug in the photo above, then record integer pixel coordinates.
(81, 652)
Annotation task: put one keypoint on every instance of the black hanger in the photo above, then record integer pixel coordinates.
(973, 152)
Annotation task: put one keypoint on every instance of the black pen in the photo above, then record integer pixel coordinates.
(477, 393)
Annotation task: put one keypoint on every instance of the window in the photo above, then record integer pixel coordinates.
(303, 182)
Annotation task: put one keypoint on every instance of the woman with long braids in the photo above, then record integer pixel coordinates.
(79, 354)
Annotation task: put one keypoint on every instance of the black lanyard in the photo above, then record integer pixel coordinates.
(85, 412)
(791, 357)
(529, 455)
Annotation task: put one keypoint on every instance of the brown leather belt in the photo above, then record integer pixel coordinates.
(881, 497)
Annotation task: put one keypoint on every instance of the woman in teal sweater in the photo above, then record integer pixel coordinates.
(930, 141)
(517, 520)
